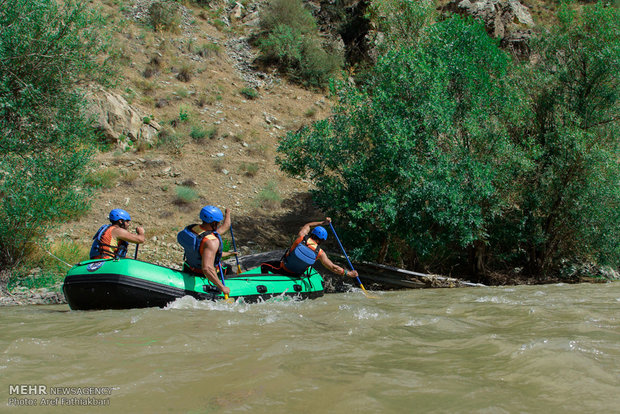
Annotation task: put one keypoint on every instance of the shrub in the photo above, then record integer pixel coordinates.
(103, 178)
(198, 133)
(250, 169)
(290, 40)
(165, 16)
(169, 140)
(185, 195)
(269, 197)
(249, 93)
(185, 73)
(420, 157)
(208, 49)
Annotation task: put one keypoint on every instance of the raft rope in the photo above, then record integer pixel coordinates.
(54, 256)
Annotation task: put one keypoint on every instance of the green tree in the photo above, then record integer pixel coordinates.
(419, 160)
(569, 206)
(47, 49)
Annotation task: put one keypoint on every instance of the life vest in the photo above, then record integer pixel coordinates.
(191, 242)
(102, 247)
(301, 256)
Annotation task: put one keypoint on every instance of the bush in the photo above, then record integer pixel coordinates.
(269, 197)
(104, 178)
(250, 169)
(165, 16)
(290, 40)
(185, 195)
(46, 145)
(169, 140)
(199, 133)
(249, 93)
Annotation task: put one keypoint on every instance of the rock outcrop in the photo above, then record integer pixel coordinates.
(119, 121)
(508, 20)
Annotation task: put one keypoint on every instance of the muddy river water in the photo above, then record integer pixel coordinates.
(525, 349)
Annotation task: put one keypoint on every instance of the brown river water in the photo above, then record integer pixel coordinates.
(525, 349)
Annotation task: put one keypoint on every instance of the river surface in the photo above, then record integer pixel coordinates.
(526, 349)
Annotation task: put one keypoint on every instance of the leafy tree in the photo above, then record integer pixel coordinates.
(421, 156)
(47, 49)
(570, 200)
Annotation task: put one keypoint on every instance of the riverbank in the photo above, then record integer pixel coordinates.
(25, 296)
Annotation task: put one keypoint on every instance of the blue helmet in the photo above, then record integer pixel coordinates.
(119, 214)
(320, 233)
(209, 214)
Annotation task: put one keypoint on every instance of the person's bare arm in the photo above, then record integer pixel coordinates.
(334, 268)
(208, 256)
(225, 226)
(306, 228)
(122, 234)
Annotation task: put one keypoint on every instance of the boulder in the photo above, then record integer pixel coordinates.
(118, 120)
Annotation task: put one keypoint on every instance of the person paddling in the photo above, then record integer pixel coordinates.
(112, 240)
(304, 252)
(203, 245)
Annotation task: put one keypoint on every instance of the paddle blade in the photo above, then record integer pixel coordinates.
(368, 295)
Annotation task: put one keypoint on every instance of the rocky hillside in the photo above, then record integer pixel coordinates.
(193, 122)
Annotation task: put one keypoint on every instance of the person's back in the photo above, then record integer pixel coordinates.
(202, 245)
(304, 252)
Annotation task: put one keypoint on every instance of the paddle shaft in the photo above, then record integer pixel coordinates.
(235, 247)
(222, 277)
(345, 255)
(135, 256)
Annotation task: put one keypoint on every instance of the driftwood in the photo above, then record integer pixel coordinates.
(373, 276)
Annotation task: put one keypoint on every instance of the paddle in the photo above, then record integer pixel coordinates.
(235, 247)
(226, 298)
(135, 256)
(350, 264)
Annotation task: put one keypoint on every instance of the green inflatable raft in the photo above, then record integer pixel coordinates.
(128, 283)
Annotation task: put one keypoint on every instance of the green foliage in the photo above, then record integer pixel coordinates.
(249, 93)
(570, 201)
(185, 195)
(104, 178)
(402, 22)
(421, 155)
(269, 197)
(290, 40)
(48, 270)
(183, 114)
(199, 133)
(46, 50)
(451, 155)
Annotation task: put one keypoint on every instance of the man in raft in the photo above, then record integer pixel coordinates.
(112, 240)
(203, 245)
(304, 252)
